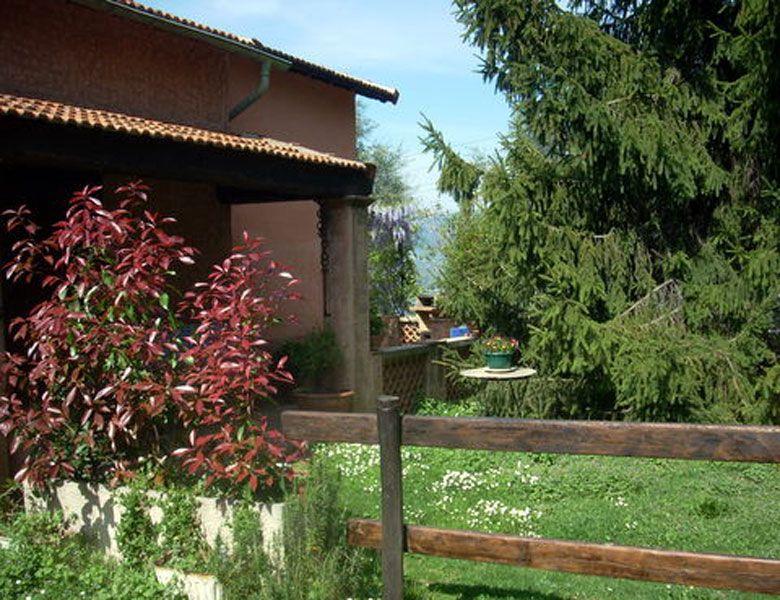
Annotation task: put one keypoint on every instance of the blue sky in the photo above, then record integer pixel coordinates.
(412, 45)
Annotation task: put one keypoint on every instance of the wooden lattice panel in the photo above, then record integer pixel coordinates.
(404, 376)
(410, 333)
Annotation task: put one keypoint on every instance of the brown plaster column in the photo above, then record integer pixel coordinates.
(345, 233)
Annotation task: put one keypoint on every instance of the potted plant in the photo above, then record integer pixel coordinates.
(312, 361)
(499, 352)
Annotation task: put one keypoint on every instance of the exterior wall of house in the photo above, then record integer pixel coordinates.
(295, 109)
(63, 51)
(70, 53)
(290, 229)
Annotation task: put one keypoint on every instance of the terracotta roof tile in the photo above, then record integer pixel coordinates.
(56, 112)
(305, 67)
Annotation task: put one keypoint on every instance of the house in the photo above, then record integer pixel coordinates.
(231, 134)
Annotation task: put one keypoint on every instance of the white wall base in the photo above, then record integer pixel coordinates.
(194, 586)
(96, 512)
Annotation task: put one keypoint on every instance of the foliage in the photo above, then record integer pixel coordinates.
(535, 397)
(181, 538)
(629, 228)
(313, 358)
(391, 190)
(691, 505)
(391, 258)
(314, 560)
(136, 535)
(392, 270)
(108, 379)
(11, 502)
(230, 370)
(376, 325)
(92, 388)
(243, 569)
(45, 560)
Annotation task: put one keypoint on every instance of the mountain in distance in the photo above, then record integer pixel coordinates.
(430, 230)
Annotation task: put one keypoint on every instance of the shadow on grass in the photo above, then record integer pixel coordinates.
(479, 592)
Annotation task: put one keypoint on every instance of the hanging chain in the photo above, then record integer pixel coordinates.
(322, 216)
(322, 231)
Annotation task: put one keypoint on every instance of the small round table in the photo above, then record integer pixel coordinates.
(496, 375)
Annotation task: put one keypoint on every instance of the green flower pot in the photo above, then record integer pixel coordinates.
(499, 360)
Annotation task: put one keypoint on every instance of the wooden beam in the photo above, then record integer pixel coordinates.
(686, 568)
(24, 141)
(315, 426)
(739, 443)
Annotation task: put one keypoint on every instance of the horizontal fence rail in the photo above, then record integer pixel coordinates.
(746, 574)
(740, 443)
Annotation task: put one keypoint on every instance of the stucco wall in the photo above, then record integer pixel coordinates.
(290, 229)
(295, 109)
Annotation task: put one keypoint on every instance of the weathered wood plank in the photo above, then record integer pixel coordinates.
(659, 440)
(388, 410)
(704, 570)
(655, 440)
(315, 426)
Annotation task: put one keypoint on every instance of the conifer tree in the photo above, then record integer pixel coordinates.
(629, 228)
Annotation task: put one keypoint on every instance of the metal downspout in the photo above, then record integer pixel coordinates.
(256, 94)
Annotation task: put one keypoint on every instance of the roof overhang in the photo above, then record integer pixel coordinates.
(254, 177)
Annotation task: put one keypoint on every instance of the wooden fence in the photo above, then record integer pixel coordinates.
(651, 440)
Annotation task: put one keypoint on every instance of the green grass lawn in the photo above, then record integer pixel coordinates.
(677, 505)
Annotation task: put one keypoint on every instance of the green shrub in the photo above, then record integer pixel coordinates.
(181, 538)
(536, 398)
(44, 560)
(136, 535)
(313, 561)
(313, 358)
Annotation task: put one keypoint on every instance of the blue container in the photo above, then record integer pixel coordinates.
(460, 331)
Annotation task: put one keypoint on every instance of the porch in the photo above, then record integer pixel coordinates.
(310, 206)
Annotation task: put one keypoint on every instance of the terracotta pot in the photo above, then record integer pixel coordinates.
(324, 401)
(426, 299)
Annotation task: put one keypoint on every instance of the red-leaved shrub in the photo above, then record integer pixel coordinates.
(110, 378)
(230, 368)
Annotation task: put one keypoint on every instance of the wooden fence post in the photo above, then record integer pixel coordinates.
(389, 426)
